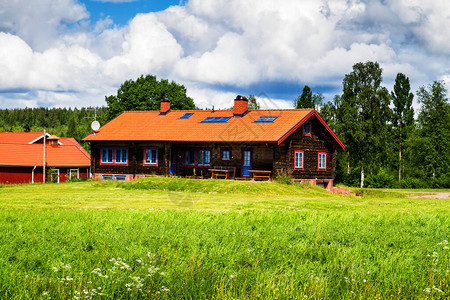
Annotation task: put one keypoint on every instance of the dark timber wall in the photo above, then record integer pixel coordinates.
(319, 141)
(272, 157)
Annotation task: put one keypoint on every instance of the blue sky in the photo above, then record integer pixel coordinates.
(122, 12)
(73, 53)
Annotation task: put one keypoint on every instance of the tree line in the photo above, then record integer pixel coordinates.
(388, 143)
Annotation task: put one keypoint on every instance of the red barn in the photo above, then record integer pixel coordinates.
(22, 158)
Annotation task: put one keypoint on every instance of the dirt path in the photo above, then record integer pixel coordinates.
(433, 195)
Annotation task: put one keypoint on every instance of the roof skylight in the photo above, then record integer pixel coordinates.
(216, 119)
(186, 115)
(266, 119)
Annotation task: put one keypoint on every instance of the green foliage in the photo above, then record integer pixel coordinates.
(434, 129)
(403, 114)
(72, 129)
(146, 93)
(380, 180)
(412, 183)
(283, 179)
(52, 175)
(308, 100)
(253, 102)
(362, 113)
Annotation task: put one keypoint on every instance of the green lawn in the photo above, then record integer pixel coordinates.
(215, 239)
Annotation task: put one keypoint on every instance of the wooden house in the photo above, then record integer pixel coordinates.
(22, 158)
(242, 142)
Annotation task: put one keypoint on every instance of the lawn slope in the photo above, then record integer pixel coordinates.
(174, 238)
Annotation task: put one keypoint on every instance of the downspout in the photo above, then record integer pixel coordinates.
(32, 174)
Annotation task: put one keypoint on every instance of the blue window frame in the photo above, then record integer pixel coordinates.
(151, 156)
(266, 119)
(120, 178)
(121, 156)
(307, 128)
(216, 119)
(107, 177)
(186, 115)
(107, 155)
(226, 154)
(189, 157)
(204, 157)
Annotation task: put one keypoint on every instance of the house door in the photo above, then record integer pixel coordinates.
(173, 161)
(246, 163)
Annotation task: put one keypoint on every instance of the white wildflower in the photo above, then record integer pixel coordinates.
(436, 289)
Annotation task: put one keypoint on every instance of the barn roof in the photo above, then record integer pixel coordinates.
(26, 149)
(199, 126)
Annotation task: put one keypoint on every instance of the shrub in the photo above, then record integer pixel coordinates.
(442, 182)
(380, 180)
(284, 179)
(412, 183)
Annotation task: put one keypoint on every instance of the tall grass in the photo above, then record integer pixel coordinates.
(372, 250)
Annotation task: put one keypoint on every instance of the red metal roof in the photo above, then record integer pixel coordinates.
(16, 150)
(153, 126)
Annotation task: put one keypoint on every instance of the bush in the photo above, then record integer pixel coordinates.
(412, 183)
(284, 179)
(380, 180)
(442, 182)
(352, 179)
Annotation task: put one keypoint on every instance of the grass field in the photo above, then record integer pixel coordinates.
(211, 239)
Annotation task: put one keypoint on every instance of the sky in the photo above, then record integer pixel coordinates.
(73, 53)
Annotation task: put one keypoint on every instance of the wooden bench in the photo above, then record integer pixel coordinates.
(261, 174)
(221, 171)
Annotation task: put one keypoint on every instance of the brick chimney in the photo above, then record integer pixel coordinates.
(240, 105)
(165, 106)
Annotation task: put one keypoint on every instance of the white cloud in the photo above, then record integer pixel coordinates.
(41, 22)
(51, 52)
(147, 47)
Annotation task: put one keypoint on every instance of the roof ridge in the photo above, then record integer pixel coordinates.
(219, 110)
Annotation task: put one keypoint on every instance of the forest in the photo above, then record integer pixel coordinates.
(388, 142)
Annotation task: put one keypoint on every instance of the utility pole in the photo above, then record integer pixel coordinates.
(43, 165)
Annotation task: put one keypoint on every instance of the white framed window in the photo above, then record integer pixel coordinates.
(74, 173)
(121, 156)
(298, 163)
(322, 161)
(151, 156)
(107, 155)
